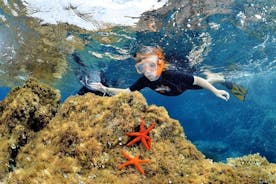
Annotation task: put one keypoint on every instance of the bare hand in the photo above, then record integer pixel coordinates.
(222, 94)
(97, 87)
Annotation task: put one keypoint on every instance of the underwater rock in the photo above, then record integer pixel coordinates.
(23, 112)
(32, 106)
(83, 143)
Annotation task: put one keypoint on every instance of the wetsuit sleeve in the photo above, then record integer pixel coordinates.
(139, 84)
(189, 80)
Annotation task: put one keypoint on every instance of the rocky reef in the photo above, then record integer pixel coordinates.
(81, 141)
(24, 112)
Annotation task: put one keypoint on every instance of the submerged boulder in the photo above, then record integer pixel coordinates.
(32, 105)
(23, 112)
(84, 142)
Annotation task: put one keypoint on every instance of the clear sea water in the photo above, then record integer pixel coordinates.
(240, 44)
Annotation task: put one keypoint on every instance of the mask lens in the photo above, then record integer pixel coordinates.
(141, 67)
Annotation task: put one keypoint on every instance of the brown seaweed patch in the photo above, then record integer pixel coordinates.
(25, 111)
(83, 144)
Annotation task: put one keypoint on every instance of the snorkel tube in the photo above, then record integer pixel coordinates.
(160, 62)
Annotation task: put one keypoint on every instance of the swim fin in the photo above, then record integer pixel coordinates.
(237, 90)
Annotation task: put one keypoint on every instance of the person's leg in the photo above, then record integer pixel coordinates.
(237, 90)
(214, 77)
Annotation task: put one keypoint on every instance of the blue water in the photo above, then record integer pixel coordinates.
(3, 92)
(245, 54)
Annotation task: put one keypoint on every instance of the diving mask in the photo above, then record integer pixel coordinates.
(147, 64)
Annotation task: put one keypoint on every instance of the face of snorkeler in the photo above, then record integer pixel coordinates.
(148, 66)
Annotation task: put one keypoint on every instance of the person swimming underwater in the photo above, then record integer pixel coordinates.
(150, 62)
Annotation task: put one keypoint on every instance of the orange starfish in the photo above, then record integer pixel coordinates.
(133, 161)
(142, 135)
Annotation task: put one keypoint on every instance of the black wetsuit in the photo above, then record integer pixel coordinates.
(170, 83)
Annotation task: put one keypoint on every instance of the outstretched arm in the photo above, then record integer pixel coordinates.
(206, 85)
(106, 90)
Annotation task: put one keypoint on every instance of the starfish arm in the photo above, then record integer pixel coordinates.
(145, 143)
(126, 155)
(150, 128)
(146, 137)
(134, 141)
(133, 133)
(139, 168)
(125, 164)
(142, 128)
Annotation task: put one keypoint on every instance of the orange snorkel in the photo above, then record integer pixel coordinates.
(161, 61)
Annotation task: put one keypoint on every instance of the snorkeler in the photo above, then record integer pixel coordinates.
(150, 61)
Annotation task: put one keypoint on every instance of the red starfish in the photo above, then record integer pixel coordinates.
(133, 161)
(142, 135)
